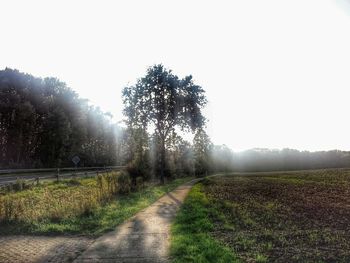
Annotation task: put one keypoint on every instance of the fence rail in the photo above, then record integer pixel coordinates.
(20, 171)
(10, 176)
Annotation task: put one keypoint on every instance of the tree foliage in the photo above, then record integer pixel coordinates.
(162, 101)
(43, 123)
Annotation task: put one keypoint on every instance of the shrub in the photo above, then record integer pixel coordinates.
(139, 167)
(124, 183)
(19, 185)
(112, 183)
(102, 185)
(100, 181)
(139, 183)
(73, 181)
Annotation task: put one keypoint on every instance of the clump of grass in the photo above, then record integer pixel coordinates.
(191, 239)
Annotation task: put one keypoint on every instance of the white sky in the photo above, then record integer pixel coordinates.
(277, 73)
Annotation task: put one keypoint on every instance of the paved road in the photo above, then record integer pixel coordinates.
(43, 249)
(144, 238)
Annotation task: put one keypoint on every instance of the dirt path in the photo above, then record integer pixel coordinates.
(144, 237)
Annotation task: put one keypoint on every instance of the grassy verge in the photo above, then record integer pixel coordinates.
(76, 207)
(191, 239)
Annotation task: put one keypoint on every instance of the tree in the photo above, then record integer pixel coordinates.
(222, 158)
(137, 154)
(163, 101)
(202, 148)
(180, 161)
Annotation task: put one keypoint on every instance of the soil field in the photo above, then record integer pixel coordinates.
(282, 217)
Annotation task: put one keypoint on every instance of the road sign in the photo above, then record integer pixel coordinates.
(76, 160)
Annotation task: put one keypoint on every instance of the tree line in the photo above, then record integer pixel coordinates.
(289, 159)
(44, 123)
(263, 159)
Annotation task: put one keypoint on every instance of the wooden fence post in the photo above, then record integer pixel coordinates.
(58, 174)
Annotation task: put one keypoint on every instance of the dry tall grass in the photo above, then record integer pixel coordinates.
(61, 200)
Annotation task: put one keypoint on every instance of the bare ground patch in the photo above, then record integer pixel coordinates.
(298, 217)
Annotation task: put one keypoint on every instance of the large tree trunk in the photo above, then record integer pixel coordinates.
(162, 160)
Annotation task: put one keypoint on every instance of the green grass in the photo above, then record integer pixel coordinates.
(76, 208)
(191, 239)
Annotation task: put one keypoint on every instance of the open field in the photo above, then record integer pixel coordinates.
(270, 217)
(88, 206)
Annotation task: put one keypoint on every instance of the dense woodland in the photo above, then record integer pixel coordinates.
(44, 123)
